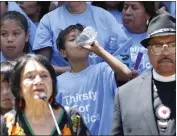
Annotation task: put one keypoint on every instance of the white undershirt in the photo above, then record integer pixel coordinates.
(158, 77)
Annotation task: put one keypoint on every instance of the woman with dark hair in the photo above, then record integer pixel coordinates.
(14, 36)
(7, 99)
(33, 75)
(135, 17)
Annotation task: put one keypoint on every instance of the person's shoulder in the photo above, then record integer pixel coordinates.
(10, 114)
(100, 10)
(97, 68)
(9, 117)
(53, 13)
(134, 84)
(97, 8)
(101, 65)
(63, 75)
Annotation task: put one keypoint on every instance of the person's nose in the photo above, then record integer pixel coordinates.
(6, 91)
(38, 80)
(165, 50)
(128, 11)
(10, 39)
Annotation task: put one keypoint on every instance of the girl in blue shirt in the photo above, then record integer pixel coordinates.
(14, 36)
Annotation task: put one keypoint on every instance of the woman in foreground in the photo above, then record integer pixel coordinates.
(34, 75)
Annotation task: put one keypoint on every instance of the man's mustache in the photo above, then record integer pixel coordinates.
(163, 58)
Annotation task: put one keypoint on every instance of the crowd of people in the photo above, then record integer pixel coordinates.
(52, 86)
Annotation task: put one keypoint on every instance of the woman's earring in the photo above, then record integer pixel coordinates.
(147, 22)
(51, 100)
(20, 103)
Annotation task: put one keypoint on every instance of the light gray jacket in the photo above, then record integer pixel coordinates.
(133, 111)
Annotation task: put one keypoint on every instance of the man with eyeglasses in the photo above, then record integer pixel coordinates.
(146, 105)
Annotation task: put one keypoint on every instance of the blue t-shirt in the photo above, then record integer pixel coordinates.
(117, 14)
(3, 59)
(92, 92)
(101, 20)
(36, 23)
(137, 47)
(170, 6)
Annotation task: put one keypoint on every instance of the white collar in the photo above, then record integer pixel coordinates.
(158, 77)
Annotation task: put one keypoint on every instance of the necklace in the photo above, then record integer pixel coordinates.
(162, 112)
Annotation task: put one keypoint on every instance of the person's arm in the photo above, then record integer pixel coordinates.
(43, 43)
(117, 129)
(45, 52)
(122, 72)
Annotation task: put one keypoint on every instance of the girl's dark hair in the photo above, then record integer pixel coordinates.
(20, 20)
(62, 35)
(6, 70)
(44, 8)
(16, 78)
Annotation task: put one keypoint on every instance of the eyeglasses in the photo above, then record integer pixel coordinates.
(157, 49)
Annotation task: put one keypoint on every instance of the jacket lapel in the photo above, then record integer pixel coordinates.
(146, 98)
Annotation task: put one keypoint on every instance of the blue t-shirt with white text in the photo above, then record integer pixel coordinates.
(137, 47)
(92, 92)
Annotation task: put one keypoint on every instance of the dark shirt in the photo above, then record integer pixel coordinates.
(167, 95)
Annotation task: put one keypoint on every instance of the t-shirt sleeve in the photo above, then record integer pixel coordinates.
(109, 81)
(43, 37)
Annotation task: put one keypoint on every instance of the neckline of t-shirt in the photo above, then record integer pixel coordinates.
(130, 33)
(79, 73)
(66, 10)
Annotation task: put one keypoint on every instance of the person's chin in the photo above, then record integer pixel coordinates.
(166, 71)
